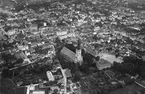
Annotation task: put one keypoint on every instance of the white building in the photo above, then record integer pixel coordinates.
(61, 33)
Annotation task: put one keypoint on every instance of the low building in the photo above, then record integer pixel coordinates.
(89, 50)
(60, 33)
(106, 60)
(67, 35)
(11, 32)
(21, 55)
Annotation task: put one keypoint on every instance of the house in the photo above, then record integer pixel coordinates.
(67, 35)
(60, 33)
(106, 60)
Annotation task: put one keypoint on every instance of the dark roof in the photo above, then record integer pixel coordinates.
(68, 54)
(90, 50)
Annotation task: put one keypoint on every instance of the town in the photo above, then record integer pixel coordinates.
(73, 47)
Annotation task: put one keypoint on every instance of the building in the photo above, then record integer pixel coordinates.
(21, 55)
(68, 54)
(60, 33)
(67, 35)
(89, 50)
(106, 60)
(79, 58)
(67, 58)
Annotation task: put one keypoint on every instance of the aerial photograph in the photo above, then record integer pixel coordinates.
(72, 46)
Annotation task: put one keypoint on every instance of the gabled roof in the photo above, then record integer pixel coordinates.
(69, 55)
